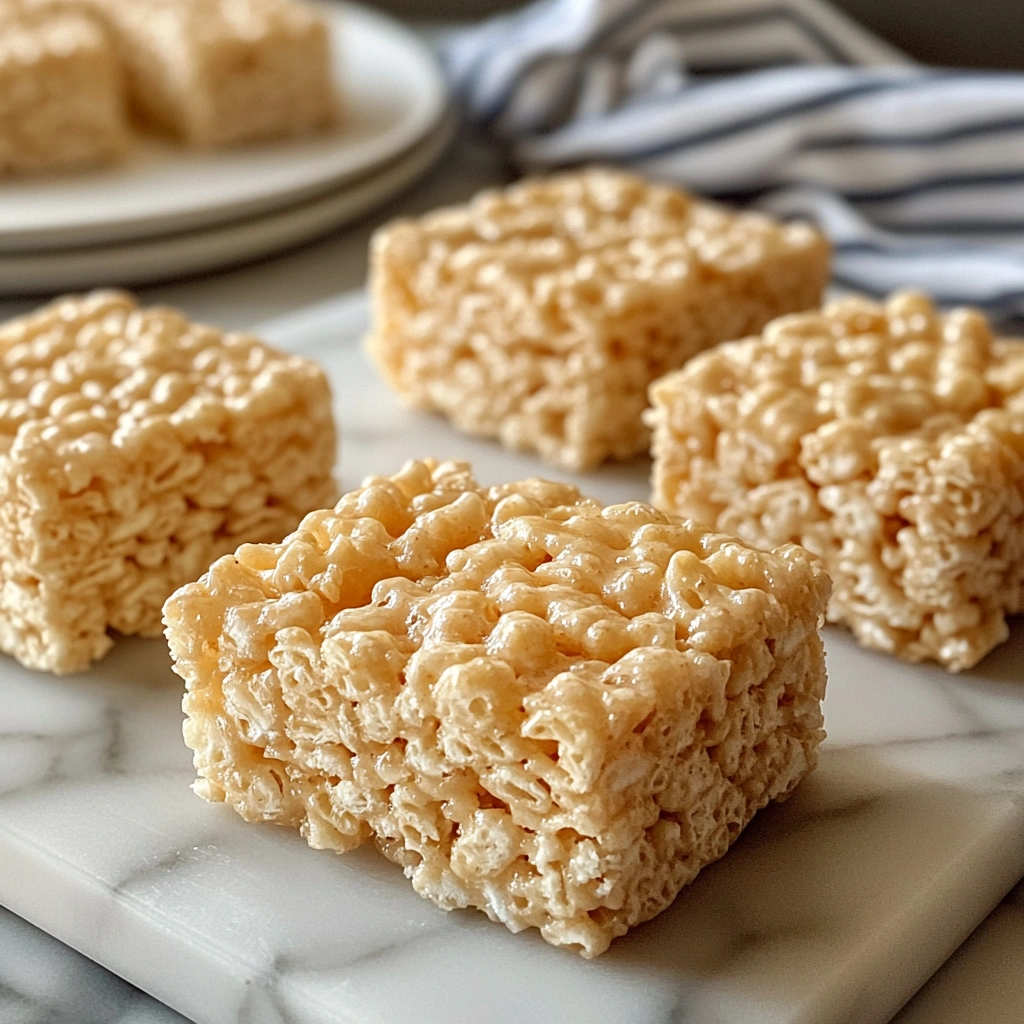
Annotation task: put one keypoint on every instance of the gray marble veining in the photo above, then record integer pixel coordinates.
(42, 981)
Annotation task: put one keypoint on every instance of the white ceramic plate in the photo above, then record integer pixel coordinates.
(393, 94)
(196, 252)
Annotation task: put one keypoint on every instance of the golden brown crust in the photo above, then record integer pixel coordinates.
(887, 439)
(540, 314)
(549, 710)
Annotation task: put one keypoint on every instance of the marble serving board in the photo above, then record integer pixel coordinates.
(42, 981)
(833, 907)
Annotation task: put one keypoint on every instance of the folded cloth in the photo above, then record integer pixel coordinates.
(915, 173)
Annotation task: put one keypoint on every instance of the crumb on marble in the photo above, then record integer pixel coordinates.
(550, 710)
(888, 439)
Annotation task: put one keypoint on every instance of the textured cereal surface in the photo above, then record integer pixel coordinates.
(540, 314)
(220, 72)
(135, 448)
(549, 710)
(888, 440)
(61, 102)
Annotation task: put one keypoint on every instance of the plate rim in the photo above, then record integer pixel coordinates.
(218, 247)
(416, 124)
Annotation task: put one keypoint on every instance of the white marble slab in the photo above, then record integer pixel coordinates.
(983, 981)
(835, 906)
(42, 981)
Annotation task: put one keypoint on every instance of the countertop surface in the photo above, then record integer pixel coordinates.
(42, 980)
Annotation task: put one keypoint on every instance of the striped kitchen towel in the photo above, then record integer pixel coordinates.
(916, 173)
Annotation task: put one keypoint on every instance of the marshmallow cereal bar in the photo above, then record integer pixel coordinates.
(135, 448)
(540, 314)
(888, 440)
(550, 710)
(219, 72)
(61, 102)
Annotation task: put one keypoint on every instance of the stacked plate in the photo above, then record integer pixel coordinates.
(168, 211)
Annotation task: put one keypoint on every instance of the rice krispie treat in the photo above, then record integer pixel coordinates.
(135, 448)
(219, 72)
(61, 101)
(888, 440)
(540, 314)
(549, 710)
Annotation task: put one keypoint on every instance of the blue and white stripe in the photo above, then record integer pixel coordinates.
(917, 174)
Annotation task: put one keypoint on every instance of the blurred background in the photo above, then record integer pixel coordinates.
(981, 33)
